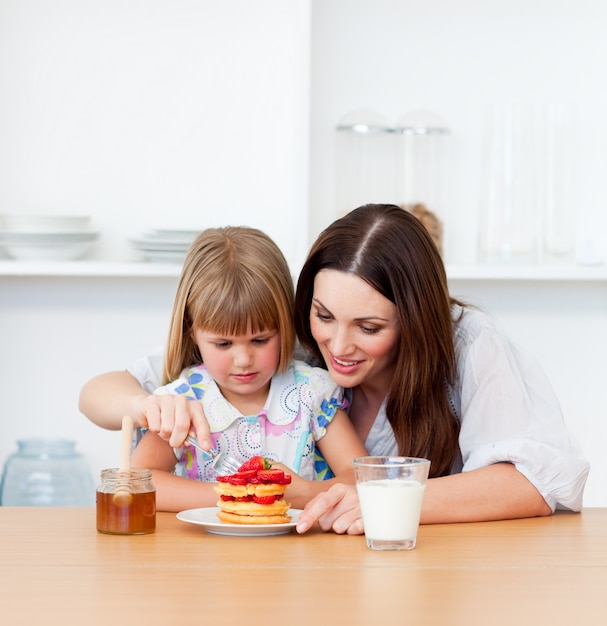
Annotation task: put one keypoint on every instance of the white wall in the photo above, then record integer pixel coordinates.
(151, 113)
(143, 113)
(57, 333)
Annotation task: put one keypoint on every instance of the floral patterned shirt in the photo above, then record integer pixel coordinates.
(300, 405)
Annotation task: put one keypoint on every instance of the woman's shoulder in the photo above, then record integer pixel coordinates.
(470, 322)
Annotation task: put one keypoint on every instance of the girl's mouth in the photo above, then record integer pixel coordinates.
(245, 378)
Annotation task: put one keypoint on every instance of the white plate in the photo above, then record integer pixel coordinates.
(164, 233)
(169, 246)
(207, 518)
(164, 257)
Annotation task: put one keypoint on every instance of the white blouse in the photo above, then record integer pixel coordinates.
(506, 405)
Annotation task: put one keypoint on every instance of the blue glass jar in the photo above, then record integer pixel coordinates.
(47, 472)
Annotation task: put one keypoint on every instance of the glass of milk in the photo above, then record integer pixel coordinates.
(391, 492)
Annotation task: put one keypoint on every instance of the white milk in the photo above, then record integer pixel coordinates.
(391, 508)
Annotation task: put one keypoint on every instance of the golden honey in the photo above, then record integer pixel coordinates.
(126, 506)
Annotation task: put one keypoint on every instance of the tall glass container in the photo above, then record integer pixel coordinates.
(424, 166)
(557, 157)
(365, 161)
(47, 472)
(509, 215)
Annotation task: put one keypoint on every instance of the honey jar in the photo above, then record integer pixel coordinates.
(126, 503)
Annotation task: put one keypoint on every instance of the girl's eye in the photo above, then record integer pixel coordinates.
(261, 341)
(222, 344)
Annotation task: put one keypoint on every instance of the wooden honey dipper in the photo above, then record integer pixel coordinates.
(123, 495)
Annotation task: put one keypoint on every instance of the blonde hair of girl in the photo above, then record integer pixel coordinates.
(233, 279)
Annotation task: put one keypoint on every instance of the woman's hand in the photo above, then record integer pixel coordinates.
(173, 417)
(337, 509)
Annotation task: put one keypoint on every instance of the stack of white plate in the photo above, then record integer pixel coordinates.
(161, 245)
(29, 237)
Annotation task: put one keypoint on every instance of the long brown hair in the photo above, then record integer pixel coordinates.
(231, 277)
(392, 251)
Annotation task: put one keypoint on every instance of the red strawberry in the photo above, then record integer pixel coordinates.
(227, 498)
(255, 463)
(270, 475)
(236, 480)
(264, 499)
(245, 474)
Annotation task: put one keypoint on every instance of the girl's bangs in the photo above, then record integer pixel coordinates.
(227, 315)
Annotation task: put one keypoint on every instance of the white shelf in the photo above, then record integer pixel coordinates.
(135, 269)
(528, 272)
(89, 268)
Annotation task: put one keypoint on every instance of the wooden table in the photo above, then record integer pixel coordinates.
(55, 568)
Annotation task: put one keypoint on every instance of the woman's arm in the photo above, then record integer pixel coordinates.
(173, 493)
(494, 492)
(106, 398)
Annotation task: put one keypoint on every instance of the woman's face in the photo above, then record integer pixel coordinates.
(355, 328)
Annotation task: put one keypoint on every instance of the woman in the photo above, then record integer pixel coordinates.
(428, 376)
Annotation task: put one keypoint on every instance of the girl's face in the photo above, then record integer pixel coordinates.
(242, 365)
(355, 328)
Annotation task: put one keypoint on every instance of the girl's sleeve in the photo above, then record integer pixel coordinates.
(148, 370)
(326, 398)
(511, 414)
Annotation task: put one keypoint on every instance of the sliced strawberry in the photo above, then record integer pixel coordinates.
(264, 499)
(286, 480)
(223, 479)
(255, 463)
(270, 475)
(246, 474)
(235, 480)
(244, 499)
(227, 498)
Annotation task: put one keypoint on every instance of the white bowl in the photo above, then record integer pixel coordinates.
(62, 252)
(46, 246)
(29, 223)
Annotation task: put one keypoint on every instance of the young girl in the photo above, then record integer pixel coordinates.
(230, 347)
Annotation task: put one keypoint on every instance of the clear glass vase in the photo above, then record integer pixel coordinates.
(47, 472)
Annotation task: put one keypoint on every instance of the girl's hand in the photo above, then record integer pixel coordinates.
(172, 418)
(337, 509)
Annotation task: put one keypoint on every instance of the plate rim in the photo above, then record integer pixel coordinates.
(243, 530)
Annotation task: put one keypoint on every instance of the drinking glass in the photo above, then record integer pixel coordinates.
(391, 492)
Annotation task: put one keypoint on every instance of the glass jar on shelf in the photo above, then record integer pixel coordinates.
(365, 161)
(424, 166)
(509, 215)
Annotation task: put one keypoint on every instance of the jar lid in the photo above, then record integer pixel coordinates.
(422, 122)
(364, 121)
